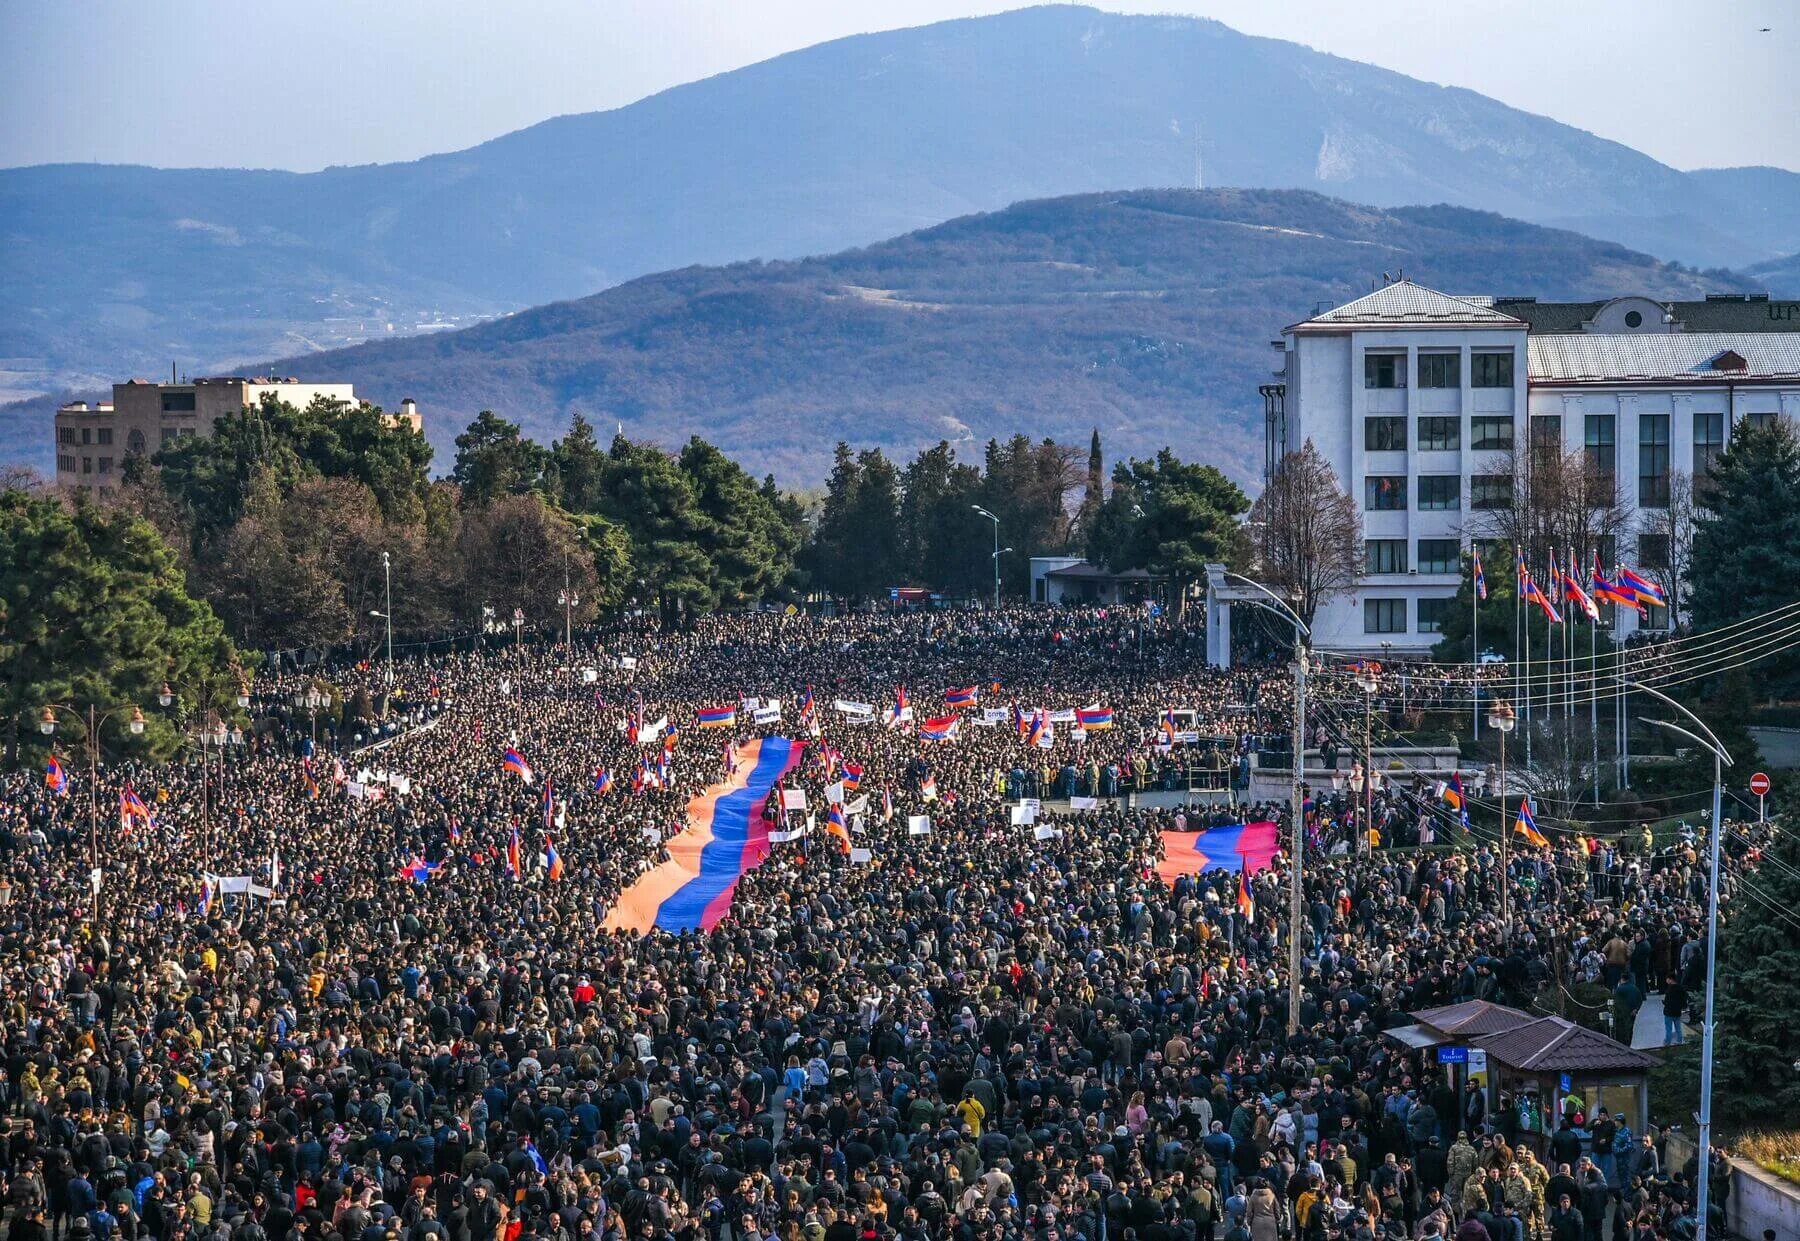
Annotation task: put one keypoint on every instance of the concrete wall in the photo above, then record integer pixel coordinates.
(1758, 1200)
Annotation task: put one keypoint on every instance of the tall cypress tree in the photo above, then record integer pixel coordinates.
(1095, 494)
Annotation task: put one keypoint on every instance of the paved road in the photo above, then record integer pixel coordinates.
(1648, 1033)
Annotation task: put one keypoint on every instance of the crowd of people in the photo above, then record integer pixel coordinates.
(374, 1028)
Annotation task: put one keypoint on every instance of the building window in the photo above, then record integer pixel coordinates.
(1709, 440)
(1765, 418)
(1653, 551)
(134, 442)
(1384, 370)
(1384, 556)
(65, 465)
(178, 402)
(1440, 492)
(1490, 434)
(106, 465)
(1440, 434)
(104, 435)
(1440, 556)
(1600, 444)
(1384, 493)
(1546, 433)
(1384, 435)
(1384, 616)
(169, 436)
(1440, 370)
(87, 435)
(87, 465)
(1432, 613)
(1491, 491)
(65, 435)
(1653, 461)
(1491, 370)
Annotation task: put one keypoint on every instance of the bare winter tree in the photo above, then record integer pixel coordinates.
(1666, 537)
(1308, 534)
(1545, 501)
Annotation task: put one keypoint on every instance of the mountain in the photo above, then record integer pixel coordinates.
(108, 271)
(1147, 314)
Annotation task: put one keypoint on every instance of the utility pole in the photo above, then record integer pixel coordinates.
(387, 574)
(1502, 721)
(1297, 844)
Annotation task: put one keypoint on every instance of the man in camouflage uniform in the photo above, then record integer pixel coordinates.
(1538, 1177)
(1520, 1195)
(1461, 1160)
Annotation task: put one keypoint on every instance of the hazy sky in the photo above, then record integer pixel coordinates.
(303, 83)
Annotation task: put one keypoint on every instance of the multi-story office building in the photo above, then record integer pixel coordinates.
(92, 441)
(1418, 400)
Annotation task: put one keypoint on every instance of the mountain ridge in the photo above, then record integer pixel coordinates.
(112, 270)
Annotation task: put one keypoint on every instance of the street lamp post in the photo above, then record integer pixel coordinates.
(1297, 833)
(1706, 739)
(997, 552)
(1366, 680)
(212, 730)
(387, 574)
(94, 720)
(1502, 720)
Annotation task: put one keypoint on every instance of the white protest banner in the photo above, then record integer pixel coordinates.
(1036, 803)
(835, 792)
(1023, 816)
(94, 877)
(356, 789)
(1064, 716)
(854, 708)
(857, 718)
(773, 704)
(589, 675)
(506, 685)
(1084, 803)
(766, 715)
(857, 825)
(993, 715)
(793, 799)
(1078, 733)
(650, 732)
(918, 825)
(750, 704)
(1046, 832)
(985, 723)
(859, 806)
(403, 785)
(781, 838)
(652, 836)
(627, 662)
(862, 855)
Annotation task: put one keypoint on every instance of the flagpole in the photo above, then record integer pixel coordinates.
(1475, 636)
(1594, 694)
(1525, 618)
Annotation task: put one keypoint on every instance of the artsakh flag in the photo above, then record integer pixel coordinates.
(941, 729)
(852, 777)
(418, 869)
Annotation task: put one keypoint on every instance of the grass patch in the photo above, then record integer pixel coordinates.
(1775, 1153)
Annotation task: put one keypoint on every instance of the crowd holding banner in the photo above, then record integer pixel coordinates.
(929, 975)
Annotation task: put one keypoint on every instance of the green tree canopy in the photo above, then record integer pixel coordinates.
(748, 539)
(93, 610)
(494, 459)
(649, 497)
(943, 542)
(1171, 518)
(856, 544)
(1746, 549)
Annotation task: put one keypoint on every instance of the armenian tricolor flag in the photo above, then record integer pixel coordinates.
(852, 777)
(1038, 728)
(960, 697)
(837, 827)
(1527, 826)
(1245, 904)
(1533, 594)
(1479, 577)
(132, 807)
(419, 870)
(553, 861)
(941, 729)
(1573, 593)
(514, 762)
(513, 867)
(1094, 719)
(807, 710)
(55, 778)
(603, 781)
(1168, 727)
(1644, 591)
(1605, 590)
(1454, 798)
(928, 788)
(1247, 847)
(716, 717)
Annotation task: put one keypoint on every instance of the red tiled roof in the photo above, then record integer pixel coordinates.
(1472, 1018)
(1554, 1045)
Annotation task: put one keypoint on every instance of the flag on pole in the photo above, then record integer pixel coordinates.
(1094, 719)
(1641, 589)
(928, 788)
(514, 762)
(549, 802)
(887, 804)
(603, 780)
(716, 717)
(55, 778)
(1168, 726)
(1245, 904)
(1573, 593)
(836, 827)
(553, 860)
(852, 777)
(1038, 729)
(943, 728)
(132, 809)
(418, 869)
(1480, 577)
(1527, 826)
(897, 713)
(964, 697)
(513, 867)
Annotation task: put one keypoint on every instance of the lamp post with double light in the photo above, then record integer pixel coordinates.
(1367, 681)
(93, 719)
(997, 552)
(1502, 720)
(213, 732)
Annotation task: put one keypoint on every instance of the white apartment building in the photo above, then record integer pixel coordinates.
(1418, 398)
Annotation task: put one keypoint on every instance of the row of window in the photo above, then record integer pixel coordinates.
(65, 463)
(88, 435)
(1434, 556)
(1389, 615)
(1438, 493)
(1487, 433)
(1439, 370)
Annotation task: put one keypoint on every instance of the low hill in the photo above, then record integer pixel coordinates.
(1148, 314)
(109, 271)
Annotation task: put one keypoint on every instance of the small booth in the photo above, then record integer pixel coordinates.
(1536, 1060)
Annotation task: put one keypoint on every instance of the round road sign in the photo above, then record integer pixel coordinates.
(1759, 784)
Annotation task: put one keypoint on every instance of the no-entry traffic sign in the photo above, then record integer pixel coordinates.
(1759, 784)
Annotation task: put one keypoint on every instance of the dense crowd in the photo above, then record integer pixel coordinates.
(980, 1032)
